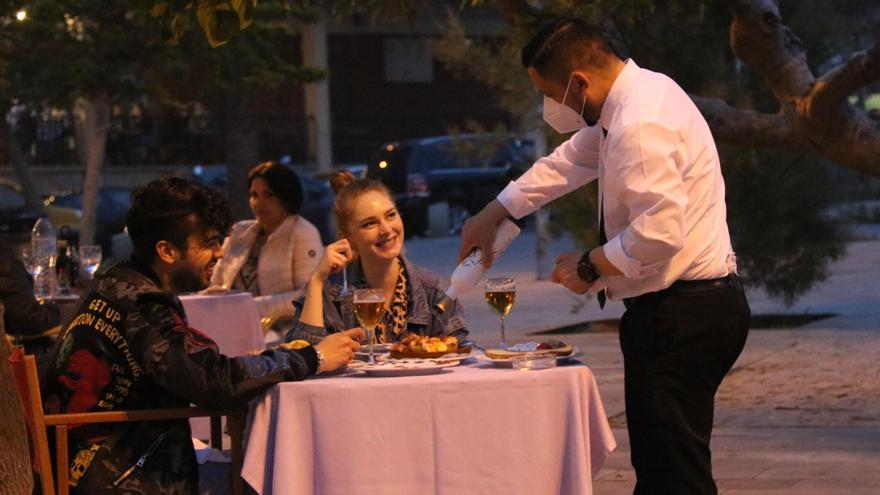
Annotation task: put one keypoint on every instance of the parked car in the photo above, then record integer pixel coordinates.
(317, 196)
(16, 220)
(113, 203)
(439, 182)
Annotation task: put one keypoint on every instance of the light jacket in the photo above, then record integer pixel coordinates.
(286, 261)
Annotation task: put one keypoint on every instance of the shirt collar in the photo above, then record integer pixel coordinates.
(615, 95)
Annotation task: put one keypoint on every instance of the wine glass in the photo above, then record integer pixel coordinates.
(90, 259)
(501, 294)
(369, 306)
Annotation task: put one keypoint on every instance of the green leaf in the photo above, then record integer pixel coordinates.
(245, 11)
(219, 22)
(179, 25)
(159, 9)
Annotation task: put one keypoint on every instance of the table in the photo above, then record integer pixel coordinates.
(471, 429)
(231, 320)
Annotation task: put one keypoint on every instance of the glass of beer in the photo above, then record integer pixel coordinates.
(369, 306)
(501, 294)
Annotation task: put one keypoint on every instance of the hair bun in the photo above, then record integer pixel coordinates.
(340, 179)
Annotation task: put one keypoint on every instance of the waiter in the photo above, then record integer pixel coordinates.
(664, 244)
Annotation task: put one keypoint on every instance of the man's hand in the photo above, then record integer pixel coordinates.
(480, 230)
(565, 273)
(338, 349)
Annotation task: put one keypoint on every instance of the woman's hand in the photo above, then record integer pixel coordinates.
(336, 256)
(337, 349)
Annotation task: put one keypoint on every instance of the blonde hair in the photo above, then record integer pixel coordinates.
(347, 189)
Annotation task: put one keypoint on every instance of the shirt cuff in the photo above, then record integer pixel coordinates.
(630, 267)
(310, 357)
(309, 333)
(515, 202)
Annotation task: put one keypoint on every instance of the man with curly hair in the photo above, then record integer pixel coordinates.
(129, 346)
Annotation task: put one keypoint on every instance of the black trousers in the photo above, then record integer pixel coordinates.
(677, 346)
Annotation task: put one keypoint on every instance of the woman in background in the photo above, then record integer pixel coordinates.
(370, 249)
(272, 256)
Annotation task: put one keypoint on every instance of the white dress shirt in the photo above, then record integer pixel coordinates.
(660, 185)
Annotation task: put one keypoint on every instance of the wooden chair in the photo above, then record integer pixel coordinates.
(24, 368)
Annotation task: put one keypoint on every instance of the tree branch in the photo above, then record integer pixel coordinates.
(814, 116)
(840, 82)
(749, 128)
(516, 11)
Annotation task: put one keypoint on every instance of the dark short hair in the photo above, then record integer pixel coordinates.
(282, 181)
(562, 44)
(172, 209)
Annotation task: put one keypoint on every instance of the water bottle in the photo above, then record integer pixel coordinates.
(469, 272)
(44, 252)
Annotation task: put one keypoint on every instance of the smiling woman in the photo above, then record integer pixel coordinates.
(370, 255)
(273, 255)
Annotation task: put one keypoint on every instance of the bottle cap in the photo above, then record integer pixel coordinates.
(444, 303)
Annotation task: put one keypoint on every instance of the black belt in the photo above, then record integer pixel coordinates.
(731, 281)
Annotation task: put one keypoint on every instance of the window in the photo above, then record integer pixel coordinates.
(409, 60)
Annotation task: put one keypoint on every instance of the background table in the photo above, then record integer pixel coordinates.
(471, 429)
(232, 321)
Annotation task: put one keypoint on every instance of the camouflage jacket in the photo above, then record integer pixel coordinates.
(128, 346)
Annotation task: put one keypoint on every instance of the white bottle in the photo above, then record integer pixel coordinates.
(469, 272)
(44, 252)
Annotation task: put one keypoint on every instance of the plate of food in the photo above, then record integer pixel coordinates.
(414, 346)
(504, 357)
(402, 367)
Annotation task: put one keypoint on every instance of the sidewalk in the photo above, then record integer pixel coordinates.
(798, 414)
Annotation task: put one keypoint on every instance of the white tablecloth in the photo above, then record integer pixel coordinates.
(469, 430)
(231, 320)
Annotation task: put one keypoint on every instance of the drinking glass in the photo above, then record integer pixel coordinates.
(369, 306)
(90, 259)
(27, 259)
(501, 294)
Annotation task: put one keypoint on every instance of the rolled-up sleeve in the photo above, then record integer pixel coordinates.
(571, 165)
(650, 187)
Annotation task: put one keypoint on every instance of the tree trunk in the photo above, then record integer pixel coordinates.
(16, 477)
(92, 121)
(20, 167)
(242, 153)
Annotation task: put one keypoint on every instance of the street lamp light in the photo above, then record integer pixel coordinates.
(21, 15)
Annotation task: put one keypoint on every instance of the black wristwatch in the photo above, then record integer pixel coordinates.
(586, 270)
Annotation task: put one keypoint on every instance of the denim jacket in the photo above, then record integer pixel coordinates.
(425, 288)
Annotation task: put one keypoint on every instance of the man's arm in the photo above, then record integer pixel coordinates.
(571, 165)
(188, 364)
(24, 314)
(653, 193)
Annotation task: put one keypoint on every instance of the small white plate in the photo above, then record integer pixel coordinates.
(449, 358)
(508, 363)
(403, 367)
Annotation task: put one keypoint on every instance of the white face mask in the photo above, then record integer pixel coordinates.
(562, 118)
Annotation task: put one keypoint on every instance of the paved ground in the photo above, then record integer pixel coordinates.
(798, 414)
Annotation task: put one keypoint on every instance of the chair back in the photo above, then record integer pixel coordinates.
(24, 370)
(27, 382)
